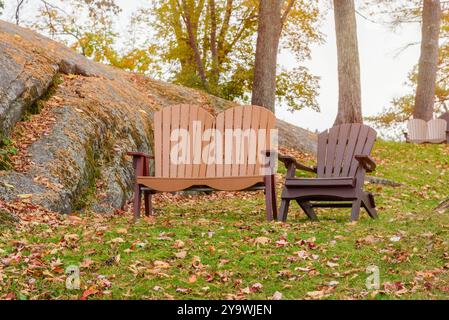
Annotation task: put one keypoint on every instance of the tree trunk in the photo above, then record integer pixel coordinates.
(428, 62)
(264, 83)
(349, 101)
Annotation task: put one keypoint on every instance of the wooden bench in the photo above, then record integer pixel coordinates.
(179, 162)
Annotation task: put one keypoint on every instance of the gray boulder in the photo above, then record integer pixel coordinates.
(72, 153)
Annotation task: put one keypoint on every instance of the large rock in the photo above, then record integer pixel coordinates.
(72, 153)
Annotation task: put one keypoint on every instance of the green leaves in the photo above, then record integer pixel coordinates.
(7, 149)
(230, 74)
(298, 89)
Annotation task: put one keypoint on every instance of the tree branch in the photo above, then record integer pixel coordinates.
(213, 38)
(17, 13)
(193, 43)
(284, 17)
(224, 27)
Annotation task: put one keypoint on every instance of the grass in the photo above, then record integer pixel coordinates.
(220, 247)
(6, 150)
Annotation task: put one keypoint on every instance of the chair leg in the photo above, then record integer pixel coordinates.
(137, 201)
(268, 197)
(273, 196)
(148, 205)
(308, 209)
(355, 212)
(369, 205)
(283, 211)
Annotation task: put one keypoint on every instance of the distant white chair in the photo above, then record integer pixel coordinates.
(436, 131)
(416, 131)
(433, 131)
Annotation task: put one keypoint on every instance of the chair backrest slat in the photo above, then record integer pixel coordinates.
(166, 125)
(321, 153)
(330, 154)
(338, 146)
(252, 150)
(211, 152)
(203, 168)
(359, 147)
(229, 156)
(237, 125)
(233, 154)
(350, 149)
(245, 140)
(219, 145)
(174, 125)
(193, 114)
(184, 125)
(157, 129)
(264, 122)
(342, 142)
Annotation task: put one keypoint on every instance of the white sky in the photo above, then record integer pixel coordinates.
(383, 72)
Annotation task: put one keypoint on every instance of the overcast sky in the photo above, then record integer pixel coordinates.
(383, 71)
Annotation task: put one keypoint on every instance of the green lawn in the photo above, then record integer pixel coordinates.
(220, 247)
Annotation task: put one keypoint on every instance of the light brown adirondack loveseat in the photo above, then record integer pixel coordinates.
(235, 153)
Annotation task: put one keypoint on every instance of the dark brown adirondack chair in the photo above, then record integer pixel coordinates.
(235, 171)
(343, 159)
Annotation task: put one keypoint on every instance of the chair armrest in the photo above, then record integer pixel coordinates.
(288, 161)
(366, 162)
(141, 163)
(139, 154)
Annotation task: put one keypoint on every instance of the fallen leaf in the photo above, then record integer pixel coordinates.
(332, 283)
(122, 231)
(332, 264)
(316, 294)
(161, 264)
(181, 254)
(395, 239)
(256, 287)
(117, 240)
(178, 244)
(25, 196)
(86, 263)
(262, 240)
(277, 296)
(192, 279)
(88, 292)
